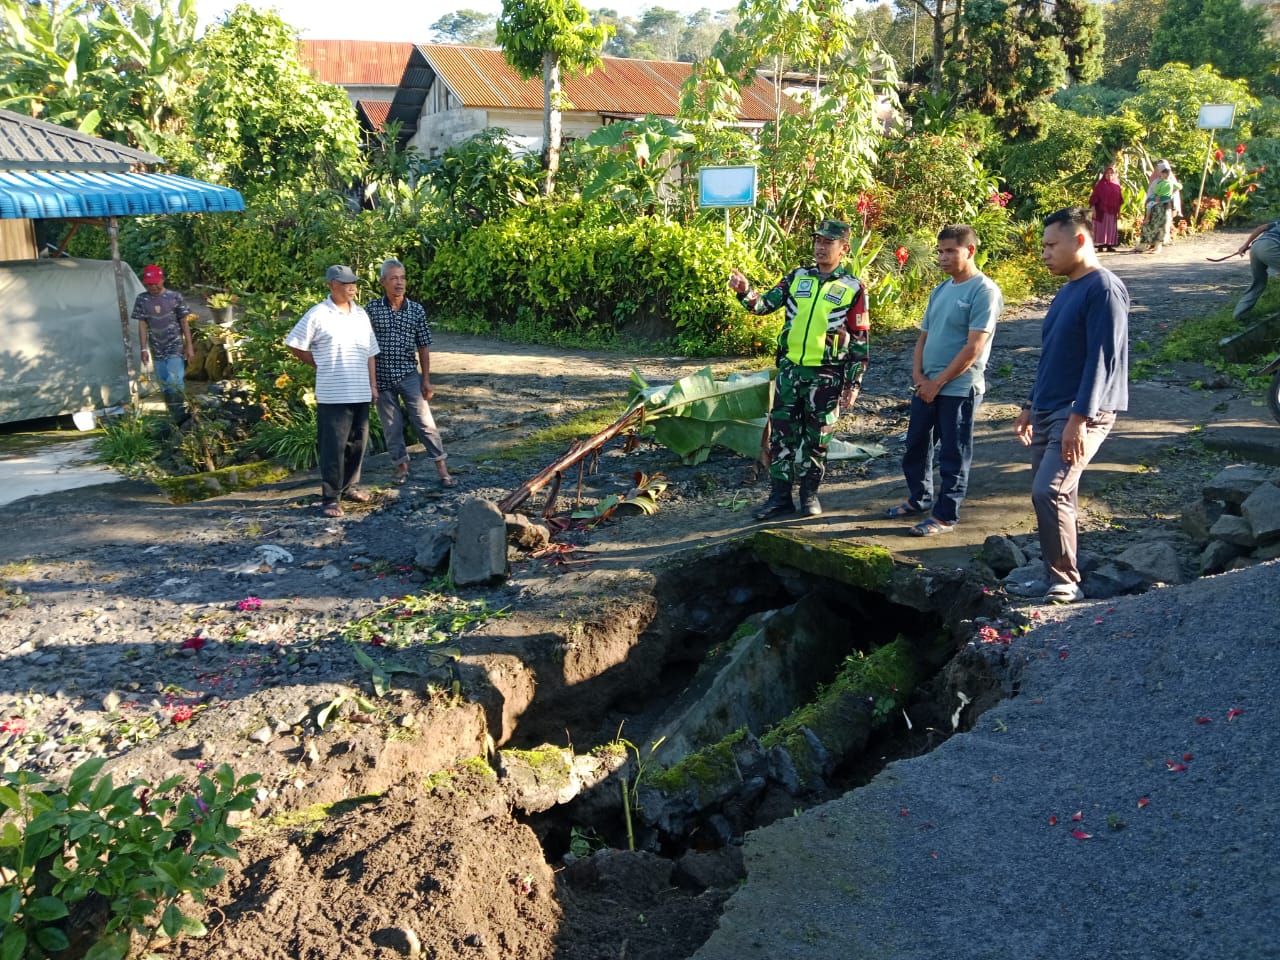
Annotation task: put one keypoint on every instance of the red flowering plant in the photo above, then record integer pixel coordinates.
(1231, 181)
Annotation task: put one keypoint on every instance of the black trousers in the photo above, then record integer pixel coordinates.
(343, 432)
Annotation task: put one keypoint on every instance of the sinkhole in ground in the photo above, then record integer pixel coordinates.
(774, 675)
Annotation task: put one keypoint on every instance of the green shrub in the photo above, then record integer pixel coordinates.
(290, 436)
(553, 272)
(135, 850)
(129, 441)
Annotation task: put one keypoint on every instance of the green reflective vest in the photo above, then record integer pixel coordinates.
(816, 302)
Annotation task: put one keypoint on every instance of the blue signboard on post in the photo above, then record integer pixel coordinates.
(727, 186)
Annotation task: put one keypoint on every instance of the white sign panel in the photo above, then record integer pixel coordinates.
(1217, 116)
(727, 186)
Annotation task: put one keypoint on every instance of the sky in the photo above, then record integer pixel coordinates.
(398, 20)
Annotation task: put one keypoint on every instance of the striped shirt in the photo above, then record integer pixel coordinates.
(341, 344)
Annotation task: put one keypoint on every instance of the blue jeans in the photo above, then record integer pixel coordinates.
(410, 391)
(948, 420)
(171, 373)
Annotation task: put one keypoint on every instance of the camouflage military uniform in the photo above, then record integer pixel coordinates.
(822, 349)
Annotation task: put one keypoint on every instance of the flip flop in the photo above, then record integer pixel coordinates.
(400, 478)
(905, 509)
(449, 481)
(930, 528)
(358, 496)
(332, 510)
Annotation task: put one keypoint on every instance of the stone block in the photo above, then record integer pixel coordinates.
(1236, 531)
(434, 545)
(479, 552)
(1198, 517)
(1216, 556)
(526, 534)
(1155, 562)
(1233, 484)
(1002, 555)
(1262, 509)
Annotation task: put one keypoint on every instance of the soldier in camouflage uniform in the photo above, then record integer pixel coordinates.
(822, 355)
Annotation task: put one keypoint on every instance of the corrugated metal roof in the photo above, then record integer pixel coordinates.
(355, 62)
(481, 77)
(52, 195)
(30, 144)
(373, 113)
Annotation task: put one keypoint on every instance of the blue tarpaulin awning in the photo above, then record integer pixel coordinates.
(54, 195)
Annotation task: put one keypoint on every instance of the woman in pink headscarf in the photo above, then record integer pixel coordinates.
(1106, 200)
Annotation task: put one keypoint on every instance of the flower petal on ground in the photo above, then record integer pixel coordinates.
(1081, 835)
(1233, 713)
(1143, 801)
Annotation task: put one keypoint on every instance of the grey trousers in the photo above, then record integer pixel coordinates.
(410, 391)
(1055, 487)
(1264, 253)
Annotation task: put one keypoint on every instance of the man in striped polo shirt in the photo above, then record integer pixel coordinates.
(336, 338)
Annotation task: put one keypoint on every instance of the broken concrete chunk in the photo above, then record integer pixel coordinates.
(480, 544)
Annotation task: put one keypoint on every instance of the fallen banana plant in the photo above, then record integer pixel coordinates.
(688, 417)
(641, 498)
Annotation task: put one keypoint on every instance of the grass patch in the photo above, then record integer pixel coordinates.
(1197, 339)
(557, 437)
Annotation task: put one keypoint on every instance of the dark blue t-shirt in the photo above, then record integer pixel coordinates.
(1084, 357)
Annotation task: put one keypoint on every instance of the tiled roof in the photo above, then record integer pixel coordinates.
(481, 77)
(355, 63)
(373, 113)
(29, 144)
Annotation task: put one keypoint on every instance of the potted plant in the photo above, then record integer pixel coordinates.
(222, 307)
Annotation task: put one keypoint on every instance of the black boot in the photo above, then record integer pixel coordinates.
(809, 504)
(779, 503)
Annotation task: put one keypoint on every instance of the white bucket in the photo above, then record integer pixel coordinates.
(83, 419)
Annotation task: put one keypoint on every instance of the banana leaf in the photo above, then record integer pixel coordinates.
(698, 412)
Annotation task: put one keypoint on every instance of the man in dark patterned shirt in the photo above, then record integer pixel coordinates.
(821, 356)
(166, 338)
(404, 342)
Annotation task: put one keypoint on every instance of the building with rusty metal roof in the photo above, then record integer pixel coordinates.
(366, 69)
(450, 92)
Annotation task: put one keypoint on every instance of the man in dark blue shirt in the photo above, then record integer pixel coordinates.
(1082, 381)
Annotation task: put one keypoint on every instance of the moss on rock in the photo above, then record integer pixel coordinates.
(202, 486)
(846, 561)
(704, 773)
(838, 722)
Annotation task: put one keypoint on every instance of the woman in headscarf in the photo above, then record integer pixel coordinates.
(1106, 201)
(1162, 199)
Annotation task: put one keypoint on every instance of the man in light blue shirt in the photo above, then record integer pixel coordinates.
(947, 376)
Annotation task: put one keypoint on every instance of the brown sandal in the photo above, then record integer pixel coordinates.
(332, 510)
(358, 496)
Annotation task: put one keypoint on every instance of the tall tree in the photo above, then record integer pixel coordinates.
(1225, 34)
(465, 26)
(1010, 58)
(261, 121)
(658, 34)
(1079, 24)
(939, 14)
(548, 36)
(1129, 26)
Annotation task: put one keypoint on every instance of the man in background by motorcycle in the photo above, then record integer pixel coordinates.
(1263, 247)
